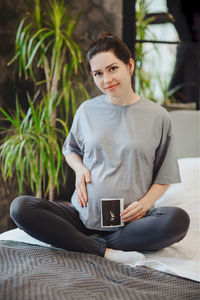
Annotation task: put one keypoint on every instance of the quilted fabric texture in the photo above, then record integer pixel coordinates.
(33, 272)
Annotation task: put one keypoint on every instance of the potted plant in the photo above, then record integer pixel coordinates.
(48, 54)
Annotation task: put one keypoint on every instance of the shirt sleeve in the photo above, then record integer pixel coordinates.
(166, 169)
(72, 143)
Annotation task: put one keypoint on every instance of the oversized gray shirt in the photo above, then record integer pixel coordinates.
(126, 149)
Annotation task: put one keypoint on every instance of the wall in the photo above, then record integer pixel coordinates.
(99, 16)
(105, 15)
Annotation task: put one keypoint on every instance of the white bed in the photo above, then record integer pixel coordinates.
(181, 259)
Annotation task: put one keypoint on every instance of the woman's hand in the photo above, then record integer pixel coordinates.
(82, 177)
(133, 212)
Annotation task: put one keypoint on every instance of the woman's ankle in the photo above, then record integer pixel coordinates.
(106, 252)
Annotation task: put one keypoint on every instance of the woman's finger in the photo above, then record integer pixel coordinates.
(129, 208)
(131, 212)
(82, 177)
(133, 215)
(80, 193)
(88, 177)
(131, 218)
(84, 191)
(79, 197)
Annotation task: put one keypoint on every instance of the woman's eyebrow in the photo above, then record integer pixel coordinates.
(107, 67)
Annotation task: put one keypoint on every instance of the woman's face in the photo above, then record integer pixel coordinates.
(111, 75)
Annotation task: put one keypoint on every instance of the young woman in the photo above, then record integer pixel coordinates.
(120, 146)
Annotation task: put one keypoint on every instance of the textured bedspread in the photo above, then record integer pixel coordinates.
(33, 272)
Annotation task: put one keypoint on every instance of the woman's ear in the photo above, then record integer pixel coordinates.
(131, 65)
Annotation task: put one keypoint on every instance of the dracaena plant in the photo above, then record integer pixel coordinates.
(143, 84)
(47, 53)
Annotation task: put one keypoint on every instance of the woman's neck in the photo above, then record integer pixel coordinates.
(127, 99)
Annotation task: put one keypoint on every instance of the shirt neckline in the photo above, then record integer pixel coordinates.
(121, 106)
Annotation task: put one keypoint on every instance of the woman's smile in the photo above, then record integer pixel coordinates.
(111, 87)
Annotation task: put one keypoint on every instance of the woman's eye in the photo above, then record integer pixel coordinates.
(97, 74)
(113, 68)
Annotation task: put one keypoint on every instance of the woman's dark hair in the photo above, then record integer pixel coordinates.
(108, 42)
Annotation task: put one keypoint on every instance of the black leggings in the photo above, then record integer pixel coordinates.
(59, 224)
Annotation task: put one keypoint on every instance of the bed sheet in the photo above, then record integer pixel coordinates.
(181, 259)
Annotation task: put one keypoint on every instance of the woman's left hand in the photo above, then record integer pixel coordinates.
(133, 212)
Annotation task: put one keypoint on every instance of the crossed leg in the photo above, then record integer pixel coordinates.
(60, 226)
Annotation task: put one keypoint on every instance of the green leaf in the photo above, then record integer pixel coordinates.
(13, 59)
(18, 34)
(34, 51)
(8, 117)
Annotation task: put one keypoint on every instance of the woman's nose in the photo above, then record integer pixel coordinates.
(107, 77)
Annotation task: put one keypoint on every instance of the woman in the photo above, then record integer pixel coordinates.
(120, 146)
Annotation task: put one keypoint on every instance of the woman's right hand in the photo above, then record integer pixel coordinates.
(82, 177)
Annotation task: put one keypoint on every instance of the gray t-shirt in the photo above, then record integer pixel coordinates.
(126, 149)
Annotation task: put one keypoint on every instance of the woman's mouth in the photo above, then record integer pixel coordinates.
(111, 87)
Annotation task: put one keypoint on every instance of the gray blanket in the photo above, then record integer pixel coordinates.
(29, 272)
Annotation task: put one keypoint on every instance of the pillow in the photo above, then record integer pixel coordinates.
(187, 193)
